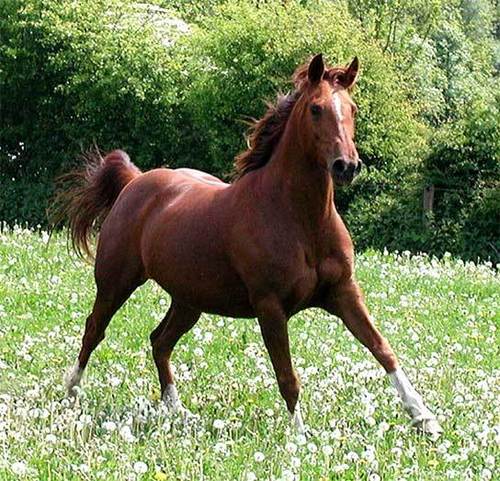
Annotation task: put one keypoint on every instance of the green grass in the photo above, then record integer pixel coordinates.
(442, 318)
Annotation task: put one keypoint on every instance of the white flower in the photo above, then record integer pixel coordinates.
(312, 448)
(340, 468)
(251, 476)
(219, 424)
(109, 426)
(291, 447)
(19, 468)
(140, 467)
(259, 457)
(352, 456)
(126, 434)
(374, 477)
(327, 450)
(486, 474)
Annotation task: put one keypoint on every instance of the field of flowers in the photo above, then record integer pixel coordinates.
(442, 318)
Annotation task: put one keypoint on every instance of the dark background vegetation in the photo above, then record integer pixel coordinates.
(170, 92)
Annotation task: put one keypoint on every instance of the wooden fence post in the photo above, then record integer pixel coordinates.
(428, 203)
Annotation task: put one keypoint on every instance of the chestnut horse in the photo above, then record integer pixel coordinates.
(268, 245)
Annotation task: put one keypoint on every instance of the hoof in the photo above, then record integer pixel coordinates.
(429, 427)
(188, 418)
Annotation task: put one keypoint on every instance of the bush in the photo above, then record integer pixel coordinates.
(131, 75)
(74, 73)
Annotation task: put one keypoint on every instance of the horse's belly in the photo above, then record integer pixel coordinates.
(217, 293)
(192, 267)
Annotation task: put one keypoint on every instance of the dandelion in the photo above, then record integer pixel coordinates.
(486, 474)
(340, 468)
(259, 457)
(219, 424)
(327, 450)
(291, 447)
(140, 467)
(19, 468)
(126, 434)
(109, 426)
(312, 448)
(251, 476)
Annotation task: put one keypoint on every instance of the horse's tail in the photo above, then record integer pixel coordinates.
(86, 195)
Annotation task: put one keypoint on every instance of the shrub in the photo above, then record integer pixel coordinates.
(74, 73)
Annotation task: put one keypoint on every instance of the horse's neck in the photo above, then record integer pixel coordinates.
(302, 184)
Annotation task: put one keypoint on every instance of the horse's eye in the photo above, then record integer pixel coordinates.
(316, 110)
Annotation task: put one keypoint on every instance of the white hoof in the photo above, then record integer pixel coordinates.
(189, 419)
(174, 405)
(72, 379)
(428, 426)
(297, 421)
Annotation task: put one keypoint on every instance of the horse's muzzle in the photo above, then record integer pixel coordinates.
(344, 170)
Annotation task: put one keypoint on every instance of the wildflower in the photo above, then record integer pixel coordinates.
(327, 450)
(109, 426)
(140, 467)
(219, 424)
(486, 474)
(19, 468)
(259, 457)
(340, 468)
(312, 448)
(126, 434)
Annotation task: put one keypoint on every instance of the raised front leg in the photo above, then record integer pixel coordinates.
(273, 326)
(346, 301)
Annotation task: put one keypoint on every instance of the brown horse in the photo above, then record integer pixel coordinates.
(268, 245)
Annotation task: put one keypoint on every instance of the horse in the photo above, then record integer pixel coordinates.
(267, 245)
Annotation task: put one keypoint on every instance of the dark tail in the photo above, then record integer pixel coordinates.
(85, 197)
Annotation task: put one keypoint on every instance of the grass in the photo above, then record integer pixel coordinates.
(442, 318)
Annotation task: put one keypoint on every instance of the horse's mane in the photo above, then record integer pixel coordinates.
(264, 134)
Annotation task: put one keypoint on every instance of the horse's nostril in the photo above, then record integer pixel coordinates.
(339, 166)
(359, 166)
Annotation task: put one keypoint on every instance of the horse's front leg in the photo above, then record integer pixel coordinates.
(273, 326)
(346, 301)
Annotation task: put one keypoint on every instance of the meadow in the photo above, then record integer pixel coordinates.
(441, 316)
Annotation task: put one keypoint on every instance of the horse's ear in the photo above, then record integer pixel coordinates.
(349, 77)
(316, 69)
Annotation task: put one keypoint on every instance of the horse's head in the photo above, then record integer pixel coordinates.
(327, 117)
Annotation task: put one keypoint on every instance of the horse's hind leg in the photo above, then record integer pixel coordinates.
(107, 302)
(178, 321)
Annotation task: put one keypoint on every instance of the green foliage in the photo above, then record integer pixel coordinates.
(247, 54)
(74, 73)
(131, 75)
